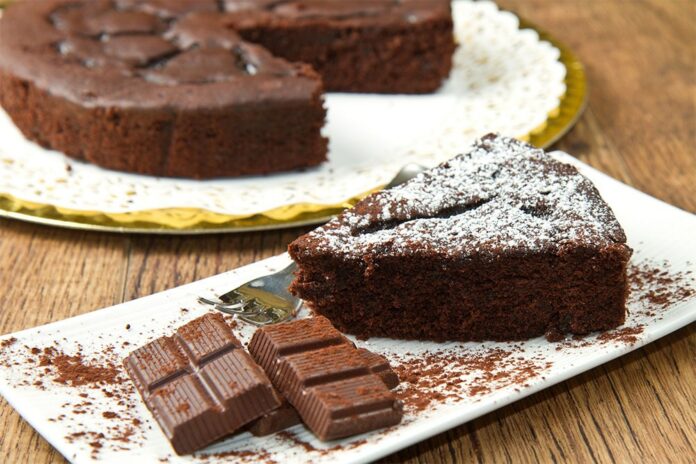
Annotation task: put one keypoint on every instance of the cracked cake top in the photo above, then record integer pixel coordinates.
(162, 53)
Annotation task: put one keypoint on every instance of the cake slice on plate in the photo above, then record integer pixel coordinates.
(501, 243)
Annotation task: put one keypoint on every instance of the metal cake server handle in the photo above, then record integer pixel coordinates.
(266, 300)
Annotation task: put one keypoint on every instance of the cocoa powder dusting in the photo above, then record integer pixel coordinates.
(75, 371)
(87, 382)
(627, 335)
(294, 439)
(656, 287)
(309, 448)
(7, 342)
(437, 377)
(446, 375)
(242, 456)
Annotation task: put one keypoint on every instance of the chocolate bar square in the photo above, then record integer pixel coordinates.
(200, 384)
(325, 378)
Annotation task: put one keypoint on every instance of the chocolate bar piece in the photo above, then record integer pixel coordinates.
(325, 378)
(200, 384)
(379, 365)
(279, 419)
(286, 416)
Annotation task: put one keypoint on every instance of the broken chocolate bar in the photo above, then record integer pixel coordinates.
(379, 365)
(279, 419)
(286, 416)
(199, 384)
(325, 378)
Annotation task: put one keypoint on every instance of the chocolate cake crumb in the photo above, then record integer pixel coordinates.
(230, 320)
(554, 335)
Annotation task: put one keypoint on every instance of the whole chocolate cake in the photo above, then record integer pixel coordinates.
(208, 88)
(500, 243)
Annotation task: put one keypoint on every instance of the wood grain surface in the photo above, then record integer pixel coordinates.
(640, 127)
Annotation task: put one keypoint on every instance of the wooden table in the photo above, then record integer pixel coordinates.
(640, 127)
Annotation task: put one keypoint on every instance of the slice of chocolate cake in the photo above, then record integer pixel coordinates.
(501, 243)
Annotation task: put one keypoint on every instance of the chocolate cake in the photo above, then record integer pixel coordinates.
(500, 243)
(376, 46)
(207, 88)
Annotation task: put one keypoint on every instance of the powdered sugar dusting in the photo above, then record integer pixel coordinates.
(502, 196)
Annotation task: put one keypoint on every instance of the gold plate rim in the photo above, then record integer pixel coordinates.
(193, 221)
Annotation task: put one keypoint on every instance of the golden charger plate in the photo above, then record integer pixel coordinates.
(200, 221)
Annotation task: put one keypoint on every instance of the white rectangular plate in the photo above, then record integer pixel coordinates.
(485, 376)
